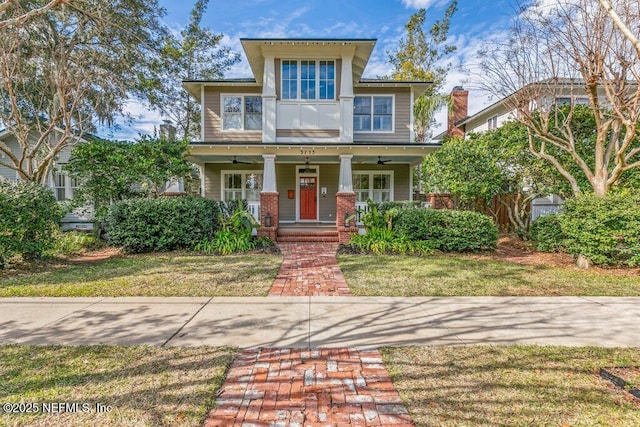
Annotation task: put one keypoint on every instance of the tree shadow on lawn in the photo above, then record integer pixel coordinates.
(515, 385)
(143, 385)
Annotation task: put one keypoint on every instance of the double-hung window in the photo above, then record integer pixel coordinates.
(492, 123)
(241, 185)
(373, 114)
(308, 79)
(377, 186)
(241, 112)
(64, 185)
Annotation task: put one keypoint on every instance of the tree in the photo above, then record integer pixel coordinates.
(67, 69)
(419, 57)
(493, 165)
(195, 54)
(555, 51)
(116, 170)
(13, 13)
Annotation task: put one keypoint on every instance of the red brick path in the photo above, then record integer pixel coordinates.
(299, 387)
(309, 269)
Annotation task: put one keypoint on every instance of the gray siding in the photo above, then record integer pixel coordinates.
(5, 172)
(402, 118)
(329, 175)
(213, 120)
(286, 180)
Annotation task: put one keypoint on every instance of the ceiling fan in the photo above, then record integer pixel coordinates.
(239, 162)
(382, 162)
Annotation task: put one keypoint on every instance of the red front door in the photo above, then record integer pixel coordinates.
(308, 207)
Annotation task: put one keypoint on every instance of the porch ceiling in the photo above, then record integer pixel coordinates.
(362, 154)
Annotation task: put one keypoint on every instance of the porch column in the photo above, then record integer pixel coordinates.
(269, 199)
(345, 201)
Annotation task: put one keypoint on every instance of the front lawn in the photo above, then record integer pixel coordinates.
(512, 385)
(465, 275)
(144, 386)
(167, 274)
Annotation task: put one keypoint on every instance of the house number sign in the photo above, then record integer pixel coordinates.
(307, 151)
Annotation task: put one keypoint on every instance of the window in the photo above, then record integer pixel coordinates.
(562, 101)
(64, 186)
(241, 112)
(492, 123)
(377, 186)
(373, 114)
(60, 186)
(316, 79)
(241, 185)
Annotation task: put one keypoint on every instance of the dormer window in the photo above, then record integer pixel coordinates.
(308, 79)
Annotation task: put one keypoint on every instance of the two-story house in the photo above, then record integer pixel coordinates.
(307, 140)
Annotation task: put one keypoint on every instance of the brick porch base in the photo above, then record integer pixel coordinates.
(296, 387)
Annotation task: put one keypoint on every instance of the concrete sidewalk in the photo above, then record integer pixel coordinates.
(322, 321)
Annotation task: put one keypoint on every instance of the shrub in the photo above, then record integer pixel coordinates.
(234, 234)
(73, 242)
(384, 241)
(164, 224)
(447, 230)
(604, 230)
(29, 215)
(546, 233)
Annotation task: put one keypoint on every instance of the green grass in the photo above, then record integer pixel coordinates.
(512, 385)
(171, 274)
(467, 276)
(145, 386)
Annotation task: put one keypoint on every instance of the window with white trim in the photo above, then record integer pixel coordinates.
(241, 185)
(64, 186)
(373, 113)
(308, 79)
(377, 186)
(241, 112)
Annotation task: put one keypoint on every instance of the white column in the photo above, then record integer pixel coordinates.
(269, 177)
(346, 96)
(269, 100)
(345, 182)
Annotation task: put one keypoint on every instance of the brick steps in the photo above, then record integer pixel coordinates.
(291, 236)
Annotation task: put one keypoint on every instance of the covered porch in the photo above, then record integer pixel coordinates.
(306, 184)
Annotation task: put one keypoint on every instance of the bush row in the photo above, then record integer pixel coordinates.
(165, 224)
(606, 230)
(29, 217)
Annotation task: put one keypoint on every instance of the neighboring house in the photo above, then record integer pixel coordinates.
(460, 123)
(307, 140)
(62, 185)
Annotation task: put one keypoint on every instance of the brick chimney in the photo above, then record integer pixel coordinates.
(460, 99)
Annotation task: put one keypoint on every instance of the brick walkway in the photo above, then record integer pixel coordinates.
(309, 269)
(299, 387)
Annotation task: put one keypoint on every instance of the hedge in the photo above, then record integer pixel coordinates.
(29, 216)
(605, 230)
(546, 233)
(164, 224)
(448, 230)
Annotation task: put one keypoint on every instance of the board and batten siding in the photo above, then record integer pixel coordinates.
(213, 115)
(402, 116)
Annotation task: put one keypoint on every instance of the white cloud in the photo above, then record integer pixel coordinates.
(420, 4)
(142, 120)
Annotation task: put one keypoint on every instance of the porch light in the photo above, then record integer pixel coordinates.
(267, 220)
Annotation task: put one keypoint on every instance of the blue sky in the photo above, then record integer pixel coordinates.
(474, 22)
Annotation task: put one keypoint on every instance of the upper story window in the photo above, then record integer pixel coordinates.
(308, 79)
(241, 112)
(562, 101)
(492, 123)
(373, 113)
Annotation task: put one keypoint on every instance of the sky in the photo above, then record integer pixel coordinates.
(475, 22)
